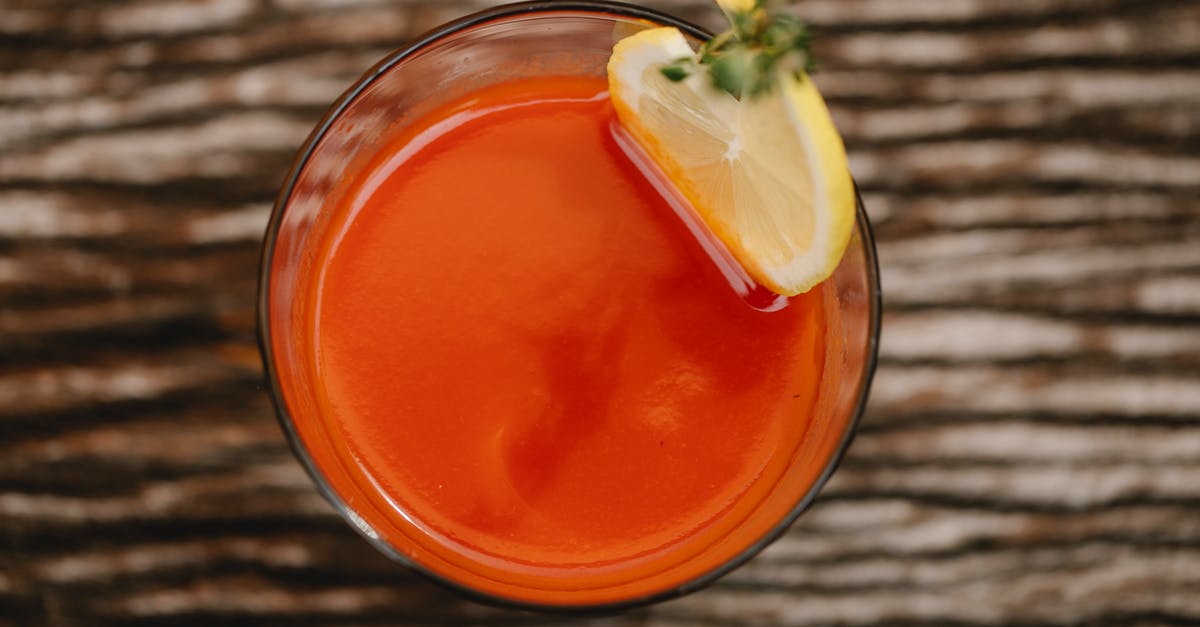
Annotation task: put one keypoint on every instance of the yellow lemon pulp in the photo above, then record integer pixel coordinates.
(767, 174)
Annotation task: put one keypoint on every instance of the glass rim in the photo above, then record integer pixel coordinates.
(286, 422)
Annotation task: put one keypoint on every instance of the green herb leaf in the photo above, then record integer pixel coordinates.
(678, 69)
(760, 43)
(732, 72)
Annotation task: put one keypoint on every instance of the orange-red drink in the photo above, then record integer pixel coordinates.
(528, 352)
(511, 360)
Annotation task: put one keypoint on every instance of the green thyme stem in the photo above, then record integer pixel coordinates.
(762, 40)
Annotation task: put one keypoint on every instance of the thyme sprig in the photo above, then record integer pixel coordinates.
(762, 40)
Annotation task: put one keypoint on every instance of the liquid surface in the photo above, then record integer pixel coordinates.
(530, 356)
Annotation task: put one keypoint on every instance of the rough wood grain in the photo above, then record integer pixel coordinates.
(1031, 453)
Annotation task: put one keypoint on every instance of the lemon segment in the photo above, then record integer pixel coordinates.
(768, 175)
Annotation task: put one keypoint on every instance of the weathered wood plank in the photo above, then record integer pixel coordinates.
(1061, 389)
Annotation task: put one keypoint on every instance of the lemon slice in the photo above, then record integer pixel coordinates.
(767, 174)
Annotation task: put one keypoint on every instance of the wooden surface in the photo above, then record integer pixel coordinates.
(1031, 454)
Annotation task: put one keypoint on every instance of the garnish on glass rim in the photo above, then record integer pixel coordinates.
(743, 59)
(741, 131)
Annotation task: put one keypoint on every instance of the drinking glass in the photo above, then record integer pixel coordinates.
(502, 44)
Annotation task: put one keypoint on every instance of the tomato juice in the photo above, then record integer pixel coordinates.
(528, 354)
